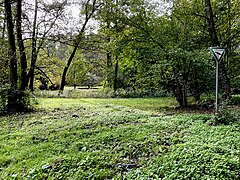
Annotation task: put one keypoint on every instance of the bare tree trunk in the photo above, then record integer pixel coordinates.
(115, 77)
(109, 61)
(11, 45)
(23, 59)
(225, 83)
(88, 15)
(3, 46)
(115, 82)
(12, 98)
(109, 67)
(211, 24)
(63, 81)
(34, 49)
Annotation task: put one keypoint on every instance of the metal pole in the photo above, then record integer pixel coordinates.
(216, 106)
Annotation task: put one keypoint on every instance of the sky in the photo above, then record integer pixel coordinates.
(74, 21)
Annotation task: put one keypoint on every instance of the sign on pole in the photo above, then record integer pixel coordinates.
(218, 53)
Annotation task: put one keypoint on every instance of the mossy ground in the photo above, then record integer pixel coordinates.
(116, 139)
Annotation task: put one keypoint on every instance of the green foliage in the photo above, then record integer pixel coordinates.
(173, 45)
(48, 66)
(79, 69)
(14, 100)
(3, 65)
(79, 92)
(116, 139)
(134, 93)
(155, 49)
(207, 102)
(186, 73)
(235, 100)
(224, 116)
(158, 52)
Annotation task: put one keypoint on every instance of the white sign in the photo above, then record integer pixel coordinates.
(218, 52)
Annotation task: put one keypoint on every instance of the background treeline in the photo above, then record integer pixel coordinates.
(141, 47)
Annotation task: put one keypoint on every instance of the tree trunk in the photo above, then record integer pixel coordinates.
(179, 85)
(23, 59)
(184, 92)
(11, 45)
(70, 59)
(34, 50)
(109, 67)
(12, 99)
(78, 40)
(115, 77)
(224, 80)
(3, 46)
(109, 61)
(180, 94)
(211, 24)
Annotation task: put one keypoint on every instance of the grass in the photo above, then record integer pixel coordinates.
(116, 139)
(70, 92)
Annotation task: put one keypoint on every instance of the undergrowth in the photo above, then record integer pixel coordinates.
(116, 139)
(99, 92)
(15, 101)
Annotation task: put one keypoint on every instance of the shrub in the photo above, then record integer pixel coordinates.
(131, 93)
(235, 100)
(206, 103)
(14, 100)
(224, 116)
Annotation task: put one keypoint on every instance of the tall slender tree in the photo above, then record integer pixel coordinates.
(89, 8)
(23, 59)
(215, 42)
(13, 78)
(38, 41)
(34, 48)
(15, 95)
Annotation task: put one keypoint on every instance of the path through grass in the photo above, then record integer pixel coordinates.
(116, 139)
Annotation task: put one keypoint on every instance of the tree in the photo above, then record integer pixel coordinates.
(47, 22)
(218, 21)
(186, 32)
(89, 8)
(14, 98)
(13, 77)
(78, 70)
(118, 20)
(3, 62)
(215, 42)
(48, 66)
(23, 59)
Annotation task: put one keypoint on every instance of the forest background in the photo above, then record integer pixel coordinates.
(139, 48)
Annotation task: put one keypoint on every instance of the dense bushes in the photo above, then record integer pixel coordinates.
(235, 100)
(14, 100)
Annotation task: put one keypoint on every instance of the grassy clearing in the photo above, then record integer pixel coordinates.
(116, 139)
(79, 92)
